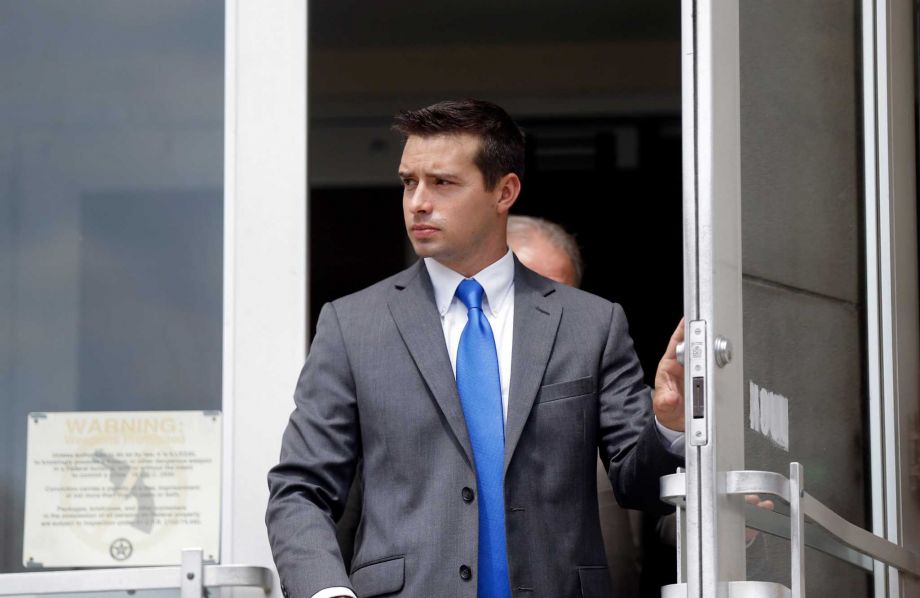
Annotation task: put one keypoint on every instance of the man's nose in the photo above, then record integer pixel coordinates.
(420, 199)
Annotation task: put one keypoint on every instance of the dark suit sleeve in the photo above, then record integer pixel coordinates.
(629, 438)
(319, 451)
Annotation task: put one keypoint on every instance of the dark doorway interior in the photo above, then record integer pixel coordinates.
(595, 85)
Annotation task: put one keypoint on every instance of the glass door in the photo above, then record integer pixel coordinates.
(802, 292)
(786, 171)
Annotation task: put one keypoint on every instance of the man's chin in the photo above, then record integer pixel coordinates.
(423, 249)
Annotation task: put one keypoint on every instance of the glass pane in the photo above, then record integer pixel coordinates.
(111, 216)
(803, 291)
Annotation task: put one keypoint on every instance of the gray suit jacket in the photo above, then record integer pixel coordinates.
(378, 387)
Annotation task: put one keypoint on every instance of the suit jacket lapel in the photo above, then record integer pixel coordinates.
(416, 315)
(536, 320)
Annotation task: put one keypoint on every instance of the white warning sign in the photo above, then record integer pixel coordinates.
(108, 489)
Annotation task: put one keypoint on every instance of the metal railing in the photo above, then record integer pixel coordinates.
(191, 578)
(827, 532)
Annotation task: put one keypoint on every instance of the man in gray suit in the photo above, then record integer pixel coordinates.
(407, 376)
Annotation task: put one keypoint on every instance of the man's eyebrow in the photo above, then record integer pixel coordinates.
(404, 174)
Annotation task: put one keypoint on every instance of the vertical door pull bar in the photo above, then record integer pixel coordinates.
(797, 528)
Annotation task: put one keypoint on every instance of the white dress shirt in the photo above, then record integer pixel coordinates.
(497, 281)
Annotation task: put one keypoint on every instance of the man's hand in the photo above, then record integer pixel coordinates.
(668, 402)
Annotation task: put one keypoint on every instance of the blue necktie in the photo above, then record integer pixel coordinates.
(481, 398)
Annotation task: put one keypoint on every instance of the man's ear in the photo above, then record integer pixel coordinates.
(508, 189)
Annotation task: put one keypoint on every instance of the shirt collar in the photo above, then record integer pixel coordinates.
(496, 279)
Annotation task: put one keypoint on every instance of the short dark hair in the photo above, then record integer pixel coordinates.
(501, 141)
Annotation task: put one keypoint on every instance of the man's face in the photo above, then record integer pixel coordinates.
(543, 257)
(449, 213)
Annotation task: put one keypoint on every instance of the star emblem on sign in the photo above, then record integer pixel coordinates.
(121, 549)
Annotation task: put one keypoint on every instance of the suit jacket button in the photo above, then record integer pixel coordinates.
(467, 494)
(465, 573)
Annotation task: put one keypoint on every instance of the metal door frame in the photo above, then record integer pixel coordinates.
(889, 134)
(712, 294)
(265, 257)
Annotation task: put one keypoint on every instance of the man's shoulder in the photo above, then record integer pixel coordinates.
(585, 314)
(576, 296)
(587, 307)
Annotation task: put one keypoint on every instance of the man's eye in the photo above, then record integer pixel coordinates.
(441, 182)
(408, 183)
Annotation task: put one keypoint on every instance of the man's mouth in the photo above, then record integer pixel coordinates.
(424, 231)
